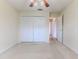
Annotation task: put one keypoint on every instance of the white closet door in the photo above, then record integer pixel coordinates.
(34, 29)
(26, 29)
(41, 31)
(36, 33)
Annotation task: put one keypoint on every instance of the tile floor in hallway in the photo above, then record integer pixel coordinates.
(53, 50)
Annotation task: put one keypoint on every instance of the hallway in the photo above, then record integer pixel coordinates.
(54, 50)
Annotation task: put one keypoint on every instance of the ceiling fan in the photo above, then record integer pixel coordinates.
(44, 1)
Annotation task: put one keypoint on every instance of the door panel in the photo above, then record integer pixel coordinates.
(36, 33)
(41, 31)
(26, 29)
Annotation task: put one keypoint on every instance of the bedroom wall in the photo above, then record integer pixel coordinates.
(8, 26)
(70, 26)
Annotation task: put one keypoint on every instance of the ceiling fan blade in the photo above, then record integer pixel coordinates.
(46, 3)
(32, 3)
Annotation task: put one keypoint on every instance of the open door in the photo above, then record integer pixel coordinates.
(60, 29)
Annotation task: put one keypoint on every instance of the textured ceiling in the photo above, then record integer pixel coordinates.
(55, 5)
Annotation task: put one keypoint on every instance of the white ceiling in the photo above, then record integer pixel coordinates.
(55, 5)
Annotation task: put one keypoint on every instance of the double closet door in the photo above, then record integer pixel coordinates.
(34, 29)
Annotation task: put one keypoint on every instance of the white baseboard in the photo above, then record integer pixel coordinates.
(68, 47)
(4, 50)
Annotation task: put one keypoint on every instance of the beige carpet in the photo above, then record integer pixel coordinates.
(53, 50)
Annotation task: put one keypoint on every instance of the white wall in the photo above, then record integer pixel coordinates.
(54, 14)
(34, 13)
(70, 26)
(8, 26)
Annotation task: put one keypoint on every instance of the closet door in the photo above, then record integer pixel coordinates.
(26, 29)
(36, 33)
(34, 29)
(41, 31)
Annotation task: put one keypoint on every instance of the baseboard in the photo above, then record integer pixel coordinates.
(6, 49)
(34, 42)
(68, 47)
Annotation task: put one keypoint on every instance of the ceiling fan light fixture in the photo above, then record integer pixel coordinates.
(35, 4)
(46, 3)
(32, 3)
(42, 2)
(31, 0)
